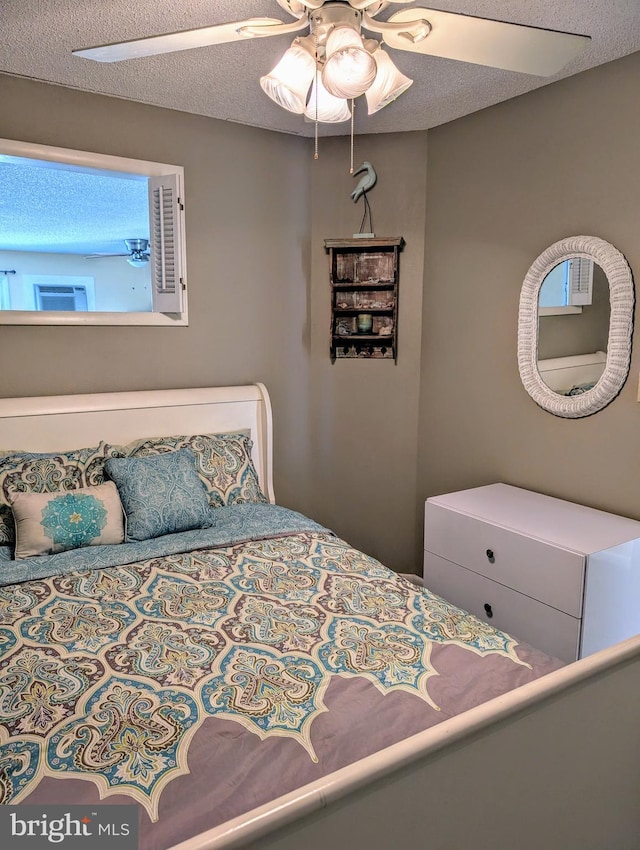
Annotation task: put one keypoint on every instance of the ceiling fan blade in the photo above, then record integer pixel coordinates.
(102, 256)
(365, 4)
(298, 7)
(294, 7)
(481, 41)
(188, 39)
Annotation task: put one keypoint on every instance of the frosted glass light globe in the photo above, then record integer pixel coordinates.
(349, 68)
(288, 83)
(389, 83)
(330, 109)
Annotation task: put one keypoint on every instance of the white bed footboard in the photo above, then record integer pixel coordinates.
(554, 764)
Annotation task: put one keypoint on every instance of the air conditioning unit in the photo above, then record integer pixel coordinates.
(70, 298)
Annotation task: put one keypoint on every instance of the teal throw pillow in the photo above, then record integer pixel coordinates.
(161, 494)
(223, 463)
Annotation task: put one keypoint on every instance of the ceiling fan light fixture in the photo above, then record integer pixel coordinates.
(336, 48)
(137, 261)
(388, 85)
(349, 68)
(289, 82)
(139, 252)
(324, 107)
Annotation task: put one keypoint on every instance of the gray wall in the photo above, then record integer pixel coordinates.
(248, 225)
(364, 413)
(258, 211)
(361, 444)
(504, 184)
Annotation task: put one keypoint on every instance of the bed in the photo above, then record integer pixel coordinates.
(253, 680)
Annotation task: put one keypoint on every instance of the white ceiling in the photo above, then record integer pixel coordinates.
(222, 81)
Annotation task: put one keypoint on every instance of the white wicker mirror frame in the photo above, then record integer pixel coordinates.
(621, 294)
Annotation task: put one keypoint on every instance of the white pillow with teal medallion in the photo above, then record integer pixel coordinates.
(48, 523)
(27, 472)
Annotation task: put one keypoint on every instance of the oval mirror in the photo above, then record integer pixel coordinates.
(574, 327)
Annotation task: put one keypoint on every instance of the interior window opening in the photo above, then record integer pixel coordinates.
(111, 229)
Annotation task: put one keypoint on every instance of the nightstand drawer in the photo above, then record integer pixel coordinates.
(546, 628)
(538, 569)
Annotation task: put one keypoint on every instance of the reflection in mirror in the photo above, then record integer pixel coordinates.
(573, 322)
(567, 286)
(63, 245)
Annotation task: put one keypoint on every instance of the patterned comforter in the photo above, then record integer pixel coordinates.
(214, 675)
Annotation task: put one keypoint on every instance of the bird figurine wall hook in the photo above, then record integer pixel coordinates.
(365, 184)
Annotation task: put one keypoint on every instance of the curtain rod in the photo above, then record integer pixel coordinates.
(7, 271)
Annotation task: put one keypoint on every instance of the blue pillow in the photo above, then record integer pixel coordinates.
(161, 494)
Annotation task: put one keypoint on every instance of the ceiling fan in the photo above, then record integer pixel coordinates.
(334, 63)
(137, 253)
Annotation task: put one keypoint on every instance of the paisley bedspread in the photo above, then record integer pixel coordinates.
(199, 684)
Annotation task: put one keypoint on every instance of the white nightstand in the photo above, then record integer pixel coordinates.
(560, 576)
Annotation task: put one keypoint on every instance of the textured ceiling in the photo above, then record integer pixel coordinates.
(47, 207)
(222, 81)
(69, 210)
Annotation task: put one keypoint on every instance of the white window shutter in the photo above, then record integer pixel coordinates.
(166, 259)
(580, 281)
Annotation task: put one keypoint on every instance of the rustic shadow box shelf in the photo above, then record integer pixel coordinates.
(364, 297)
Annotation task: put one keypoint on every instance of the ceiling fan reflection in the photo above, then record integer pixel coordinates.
(137, 254)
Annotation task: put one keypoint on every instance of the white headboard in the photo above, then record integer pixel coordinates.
(58, 423)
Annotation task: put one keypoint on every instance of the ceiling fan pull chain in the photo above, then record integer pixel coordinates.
(315, 149)
(353, 123)
(315, 143)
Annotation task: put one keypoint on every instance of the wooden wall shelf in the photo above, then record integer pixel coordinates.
(364, 297)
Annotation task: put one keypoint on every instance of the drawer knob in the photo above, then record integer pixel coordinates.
(487, 609)
(491, 556)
